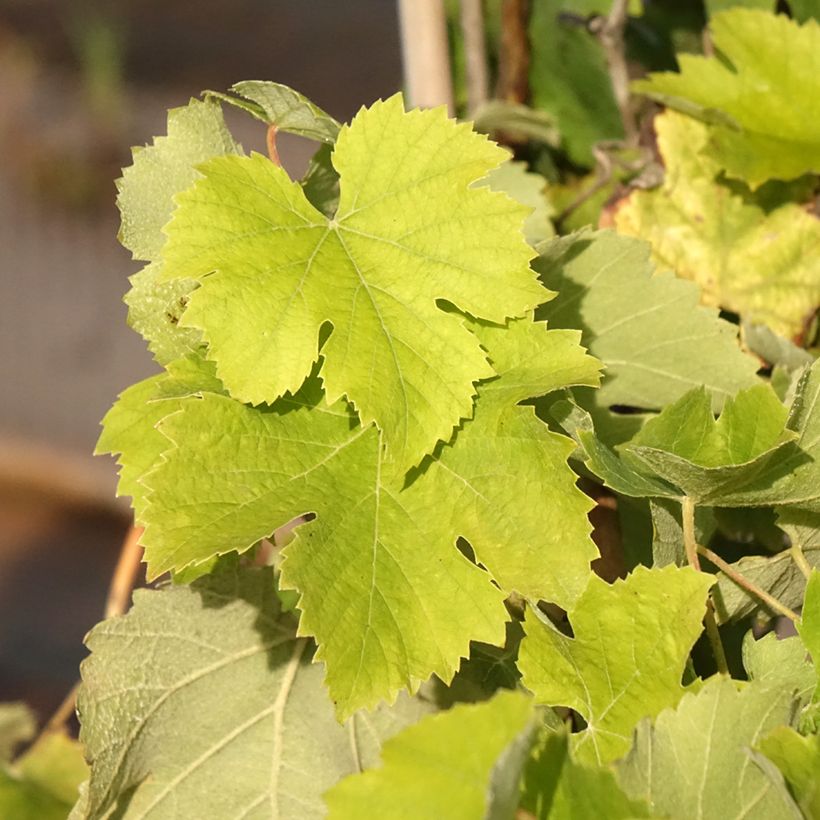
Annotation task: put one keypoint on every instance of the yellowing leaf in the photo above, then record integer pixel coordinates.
(759, 93)
(626, 661)
(409, 231)
(758, 261)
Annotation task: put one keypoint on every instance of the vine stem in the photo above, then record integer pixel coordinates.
(800, 559)
(749, 586)
(117, 601)
(690, 545)
(270, 139)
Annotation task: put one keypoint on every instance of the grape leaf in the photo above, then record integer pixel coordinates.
(795, 478)
(383, 587)
(569, 80)
(686, 446)
(442, 766)
(528, 188)
(748, 257)
(649, 331)
(716, 6)
(798, 758)
(279, 105)
(557, 787)
(43, 783)
(130, 426)
(632, 640)
(756, 133)
(219, 659)
(154, 310)
(409, 230)
(145, 192)
(694, 761)
(779, 663)
(809, 626)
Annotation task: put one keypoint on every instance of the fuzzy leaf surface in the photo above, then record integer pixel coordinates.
(409, 230)
(694, 761)
(656, 342)
(632, 640)
(220, 659)
(757, 133)
(779, 663)
(748, 257)
(279, 105)
(196, 133)
(776, 574)
(383, 587)
(685, 446)
(793, 480)
(441, 767)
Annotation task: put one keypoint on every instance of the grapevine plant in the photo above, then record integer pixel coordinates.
(391, 398)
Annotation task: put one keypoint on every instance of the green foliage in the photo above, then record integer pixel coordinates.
(621, 665)
(384, 596)
(750, 257)
(704, 742)
(758, 94)
(441, 767)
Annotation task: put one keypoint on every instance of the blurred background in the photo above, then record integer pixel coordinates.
(81, 82)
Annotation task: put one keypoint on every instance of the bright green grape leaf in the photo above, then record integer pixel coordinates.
(529, 189)
(17, 725)
(569, 80)
(632, 640)
(441, 767)
(759, 261)
(694, 761)
(154, 310)
(809, 626)
(716, 6)
(219, 659)
(794, 479)
(130, 426)
(279, 105)
(649, 331)
(756, 133)
(776, 574)
(196, 132)
(43, 783)
(798, 758)
(779, 664)
(686, 446)
(557, 788)
(393, 613)
(409, 231)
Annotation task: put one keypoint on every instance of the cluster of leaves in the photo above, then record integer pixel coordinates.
(395, 361)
